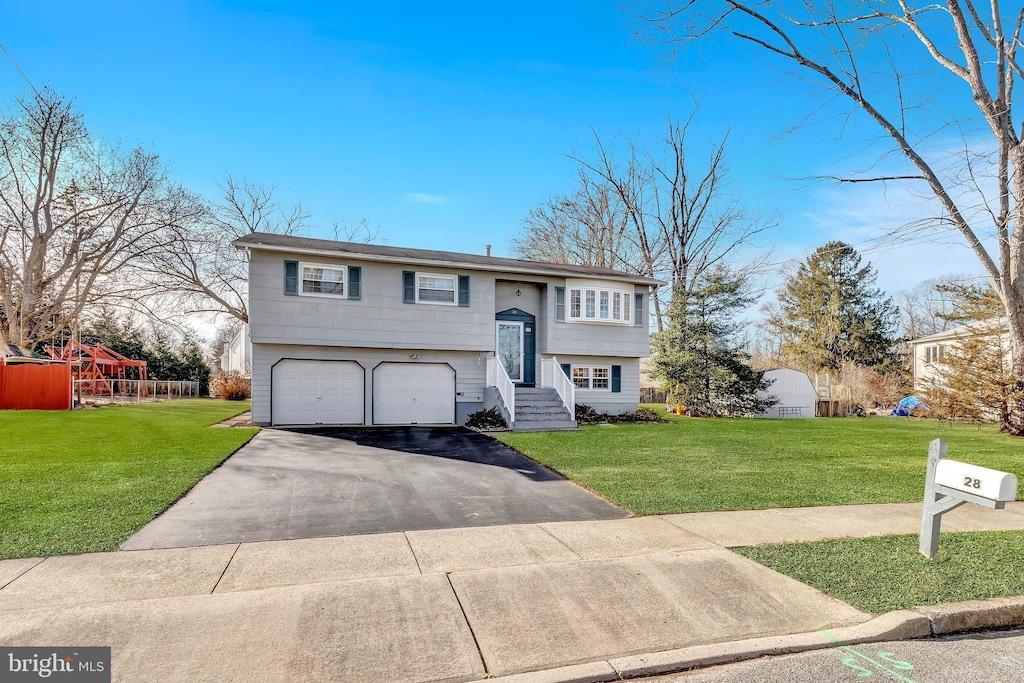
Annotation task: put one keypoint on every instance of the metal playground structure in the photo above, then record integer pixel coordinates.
(101, 371)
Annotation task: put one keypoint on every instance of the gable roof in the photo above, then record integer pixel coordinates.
(428, 257)
(969, 330)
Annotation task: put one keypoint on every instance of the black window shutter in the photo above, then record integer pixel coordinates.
(616, 379)
(355, 282)
(464, 290)
(408, 287)
(291, 278)
(567, 369)
(560, 303)
(638, 315)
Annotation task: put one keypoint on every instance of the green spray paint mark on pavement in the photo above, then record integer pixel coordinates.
(862, 671)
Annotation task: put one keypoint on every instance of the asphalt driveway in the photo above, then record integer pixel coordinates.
(339, 482)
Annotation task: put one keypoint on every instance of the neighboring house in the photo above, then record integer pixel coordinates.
(237, 354)
(347, 333)
(17, 352)
(929, 352)
(795, 392)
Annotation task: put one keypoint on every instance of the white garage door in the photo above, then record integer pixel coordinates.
(312, 392)
(413, 393)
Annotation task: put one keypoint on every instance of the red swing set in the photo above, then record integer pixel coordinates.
(100, 370)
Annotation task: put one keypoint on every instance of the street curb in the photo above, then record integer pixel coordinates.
(974, 615)
(919, 622)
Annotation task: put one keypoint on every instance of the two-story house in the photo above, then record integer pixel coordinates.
(360, 334)
(929, 352)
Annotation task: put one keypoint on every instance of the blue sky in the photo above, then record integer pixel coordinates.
(444, 123)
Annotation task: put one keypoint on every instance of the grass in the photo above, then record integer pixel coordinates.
(690, 464)
(84, 481)
(886, 573)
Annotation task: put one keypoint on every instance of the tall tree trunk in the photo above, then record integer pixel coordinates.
(1013, 422)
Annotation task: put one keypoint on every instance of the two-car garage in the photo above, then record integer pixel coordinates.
(335, 392)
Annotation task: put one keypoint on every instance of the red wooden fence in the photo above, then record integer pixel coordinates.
(30, 386)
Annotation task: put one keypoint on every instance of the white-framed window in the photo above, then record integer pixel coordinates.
(575, 303)
(599, 304)
(432, 288)
(597, 377)
(934, 353)
(318, 279)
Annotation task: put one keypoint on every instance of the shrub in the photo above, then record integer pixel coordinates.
(486, 419)
(231, 386)
(641, 415)
(586, 415)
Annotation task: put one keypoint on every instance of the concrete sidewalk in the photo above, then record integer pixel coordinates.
(441, 605)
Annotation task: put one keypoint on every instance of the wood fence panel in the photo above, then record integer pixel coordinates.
(28, 386)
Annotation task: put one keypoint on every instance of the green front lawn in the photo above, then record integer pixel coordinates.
(694, 464)
(886, 573)
(84, 481)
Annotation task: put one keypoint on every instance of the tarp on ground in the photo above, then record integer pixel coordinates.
(907, 406)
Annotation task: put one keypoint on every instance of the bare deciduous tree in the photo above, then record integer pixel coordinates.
(842, 48)
(927, 307)
(75, 213)
(587, 228)
(198, 270)
(655, 211)
(362, 232)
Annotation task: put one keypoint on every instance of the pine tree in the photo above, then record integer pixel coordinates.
(974, 381)
(830, 312)
(696, 356)
(970, 303)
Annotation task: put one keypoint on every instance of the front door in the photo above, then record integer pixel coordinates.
(510, 349)
(517, 345)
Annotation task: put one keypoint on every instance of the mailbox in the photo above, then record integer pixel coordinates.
(981, 481)
(949, 484)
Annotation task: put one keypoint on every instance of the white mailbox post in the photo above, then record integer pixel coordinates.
(950, 484)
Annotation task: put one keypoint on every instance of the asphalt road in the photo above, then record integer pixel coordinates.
(996, 656)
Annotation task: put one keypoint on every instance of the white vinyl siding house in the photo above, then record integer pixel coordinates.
(365, 334)
(929, 353)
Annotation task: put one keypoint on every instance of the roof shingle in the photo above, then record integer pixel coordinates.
(308, 245)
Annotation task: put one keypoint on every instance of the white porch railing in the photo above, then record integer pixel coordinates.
(498, 378)
(551, 375)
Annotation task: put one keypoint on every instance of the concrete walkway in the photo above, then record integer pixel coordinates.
(441, 605)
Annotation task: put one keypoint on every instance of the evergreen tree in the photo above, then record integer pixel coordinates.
(970, 303)
(162, 360)
(830, 312)
(118, 333)
(974, 380)
(194, 367)
(697, 358)
(167, 359)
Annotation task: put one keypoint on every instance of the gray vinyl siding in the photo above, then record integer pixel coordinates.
(379, 319)
(563, 338)
(470, 371)
(529, 298)
(610, 402)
